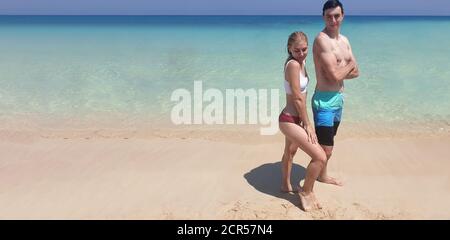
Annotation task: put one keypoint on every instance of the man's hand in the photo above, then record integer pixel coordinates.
(355, 71)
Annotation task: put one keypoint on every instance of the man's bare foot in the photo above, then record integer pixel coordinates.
(288, 189)
(330, 180)
(306, 200)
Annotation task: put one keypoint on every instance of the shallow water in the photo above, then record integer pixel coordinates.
(125, 69)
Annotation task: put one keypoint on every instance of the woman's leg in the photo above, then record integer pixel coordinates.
(297, 135)
(286, 165)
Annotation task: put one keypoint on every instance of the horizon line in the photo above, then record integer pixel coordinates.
(226, 15)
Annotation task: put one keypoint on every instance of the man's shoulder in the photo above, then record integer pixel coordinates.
(321, 36)
(322, 40)
(344, 38)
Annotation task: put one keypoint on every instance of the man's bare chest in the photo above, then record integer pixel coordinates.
(341, 51)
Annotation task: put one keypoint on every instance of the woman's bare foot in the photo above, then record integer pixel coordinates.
(330, 180)
(316, 202)
(306, 200)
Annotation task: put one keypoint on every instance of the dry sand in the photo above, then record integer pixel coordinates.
(189, 174)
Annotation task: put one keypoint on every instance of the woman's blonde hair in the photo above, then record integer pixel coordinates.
(293, 38)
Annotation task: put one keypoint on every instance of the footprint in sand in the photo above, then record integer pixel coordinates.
(167, 215)
(355, 211)
(275, 209)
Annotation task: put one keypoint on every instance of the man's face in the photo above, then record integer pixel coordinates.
(333, 18)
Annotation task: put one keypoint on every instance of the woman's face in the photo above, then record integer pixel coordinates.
(299, 50)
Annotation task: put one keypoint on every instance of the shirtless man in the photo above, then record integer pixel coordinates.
(334, 62)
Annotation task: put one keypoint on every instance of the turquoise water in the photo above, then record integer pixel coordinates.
(126, 68)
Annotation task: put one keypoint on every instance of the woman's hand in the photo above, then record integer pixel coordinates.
(312, 138)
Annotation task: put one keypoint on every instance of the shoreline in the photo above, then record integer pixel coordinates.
(247, 134)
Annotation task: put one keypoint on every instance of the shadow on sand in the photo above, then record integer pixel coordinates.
(267, 179)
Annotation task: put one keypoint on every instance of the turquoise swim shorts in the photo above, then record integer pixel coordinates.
(327, 111)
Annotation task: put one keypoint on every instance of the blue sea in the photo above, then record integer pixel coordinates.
(93, 68)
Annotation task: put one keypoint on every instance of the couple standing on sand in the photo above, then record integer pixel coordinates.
(334, 62)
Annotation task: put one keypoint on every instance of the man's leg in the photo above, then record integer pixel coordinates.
(326, 134)
(327, 111)
(323, 176)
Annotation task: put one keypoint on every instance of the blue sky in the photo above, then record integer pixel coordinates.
(220, 7)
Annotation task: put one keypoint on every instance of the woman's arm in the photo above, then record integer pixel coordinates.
(299, 99)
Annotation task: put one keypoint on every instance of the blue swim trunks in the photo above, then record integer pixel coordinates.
(327, 111)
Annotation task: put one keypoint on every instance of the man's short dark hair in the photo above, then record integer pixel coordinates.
(332, 4)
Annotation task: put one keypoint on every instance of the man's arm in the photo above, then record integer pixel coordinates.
(355, 72)
(328, 62)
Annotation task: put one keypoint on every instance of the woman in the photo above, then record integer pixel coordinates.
(295, 125)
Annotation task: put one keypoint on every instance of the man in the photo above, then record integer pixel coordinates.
(334, 62)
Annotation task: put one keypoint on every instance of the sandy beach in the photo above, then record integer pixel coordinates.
(192, 174)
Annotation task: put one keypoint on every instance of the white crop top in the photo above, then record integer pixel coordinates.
(302, 79)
